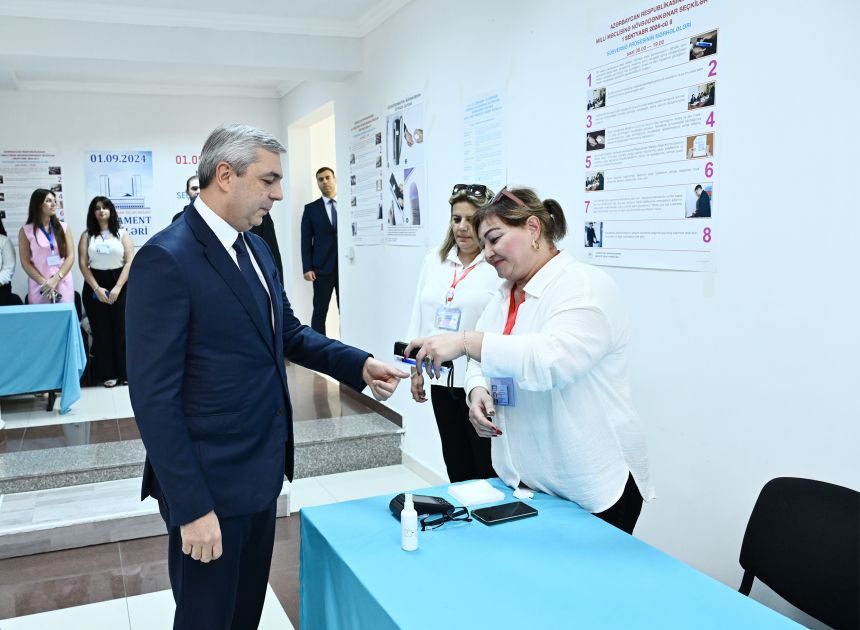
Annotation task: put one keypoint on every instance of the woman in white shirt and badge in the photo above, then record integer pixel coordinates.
(104, 254)
(455, 285)
(547, 375)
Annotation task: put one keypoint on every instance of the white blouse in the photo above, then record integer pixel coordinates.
(470, 296)
(573, 432)
(7, 259)
(106, 251)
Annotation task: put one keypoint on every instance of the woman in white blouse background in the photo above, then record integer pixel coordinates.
(455, 285)
(104, 255)
(551, 346)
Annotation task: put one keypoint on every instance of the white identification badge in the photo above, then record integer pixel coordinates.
(448, 318)
(54, 261)
(503, 391)
(102, 249)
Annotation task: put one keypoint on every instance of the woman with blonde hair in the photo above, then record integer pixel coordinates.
(547, 379)
(455, 285)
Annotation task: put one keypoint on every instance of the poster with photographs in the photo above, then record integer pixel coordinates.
(21, 172)
(124, 177)
(405, 175)
(366, 172)
(651, 124)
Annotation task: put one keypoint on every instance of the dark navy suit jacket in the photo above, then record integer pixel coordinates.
(319, 240)
(206, 376)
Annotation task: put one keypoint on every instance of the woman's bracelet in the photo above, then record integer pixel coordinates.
(465, 347)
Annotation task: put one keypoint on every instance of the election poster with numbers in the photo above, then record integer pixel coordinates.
(21, 172)
(366, 215)
(124, 177)
(651, 126)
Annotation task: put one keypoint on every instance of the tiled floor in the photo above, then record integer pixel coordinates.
(69, 580)
(124, 584)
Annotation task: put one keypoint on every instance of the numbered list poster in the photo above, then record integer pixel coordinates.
(366, 192)
(651, 123)
(124, 177)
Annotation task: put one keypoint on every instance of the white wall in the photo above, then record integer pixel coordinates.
(740, 376)
(74, 123)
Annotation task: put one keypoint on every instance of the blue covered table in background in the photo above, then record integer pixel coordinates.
(41, 349)
(561, 569)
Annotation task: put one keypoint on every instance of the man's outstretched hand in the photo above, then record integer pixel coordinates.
(381, 378)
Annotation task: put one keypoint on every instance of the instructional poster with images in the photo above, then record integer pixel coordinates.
(651, 122)
(124, 177)
(21, 172)
(366, 196)
(405, 175)
(484, 142)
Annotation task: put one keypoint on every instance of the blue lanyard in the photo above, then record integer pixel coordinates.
(49, 235)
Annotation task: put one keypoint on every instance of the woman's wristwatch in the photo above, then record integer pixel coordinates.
(60, 273)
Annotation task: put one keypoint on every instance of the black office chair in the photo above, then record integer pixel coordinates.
(803, 541)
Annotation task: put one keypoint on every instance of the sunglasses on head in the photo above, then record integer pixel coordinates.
(506, 192)
(477, 191)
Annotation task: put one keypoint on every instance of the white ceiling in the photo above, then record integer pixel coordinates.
(264, 48)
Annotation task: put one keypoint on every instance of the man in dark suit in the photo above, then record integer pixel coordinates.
(266, 229)
(319, 247)
(208, 327)
(703, 203)
(192, 189)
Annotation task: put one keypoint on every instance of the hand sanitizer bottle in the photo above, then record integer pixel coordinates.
(409, 525)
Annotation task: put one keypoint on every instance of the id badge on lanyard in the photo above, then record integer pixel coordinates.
(502, 389)
(104, 248)
(54, 261)
(448, 318)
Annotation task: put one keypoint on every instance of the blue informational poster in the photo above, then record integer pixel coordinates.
(124, 177)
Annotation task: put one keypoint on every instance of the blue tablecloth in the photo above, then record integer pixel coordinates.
(561, 569)
(41, 349)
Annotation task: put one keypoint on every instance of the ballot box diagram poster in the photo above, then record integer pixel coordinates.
(651, 126)
(405, 174)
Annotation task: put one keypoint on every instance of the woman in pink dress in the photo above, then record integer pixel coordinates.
(47, 251)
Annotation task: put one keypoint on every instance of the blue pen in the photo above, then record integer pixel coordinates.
(412, 362)
(704, 44)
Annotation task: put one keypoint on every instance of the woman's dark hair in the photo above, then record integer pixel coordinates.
(34, 216)
(93, 228)
(450, 239)
(509, 212)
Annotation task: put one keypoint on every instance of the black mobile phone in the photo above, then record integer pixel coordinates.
(503, 513)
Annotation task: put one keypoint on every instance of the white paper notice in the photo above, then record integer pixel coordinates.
(406, 177)
(651, 130)
(21, 172)
(484, 142)
(366, 181)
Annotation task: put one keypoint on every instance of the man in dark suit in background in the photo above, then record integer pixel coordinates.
(192, 189)
(208, 327)
(319, 247)
(266, 229)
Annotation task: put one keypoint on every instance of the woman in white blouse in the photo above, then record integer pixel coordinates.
(7, 268)
(547, 379)
(104, 254)
(454, 287)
